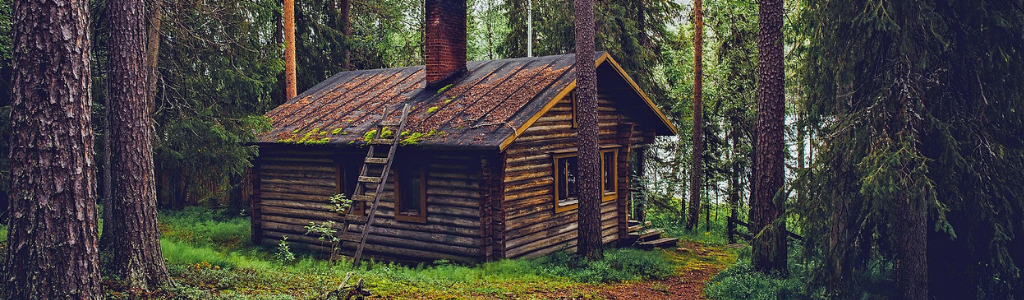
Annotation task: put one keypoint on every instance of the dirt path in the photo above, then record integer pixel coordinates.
(698, 264)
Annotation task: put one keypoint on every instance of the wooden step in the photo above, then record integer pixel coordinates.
(389, 123)
(382, 142)
(659, 243)
(363, 198)
(647, 235)
(635, 228)
(634, 222)
(369, 179)
(376, 160)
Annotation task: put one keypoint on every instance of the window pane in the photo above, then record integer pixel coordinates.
(567, 183)
(608, 170)
(410, 187)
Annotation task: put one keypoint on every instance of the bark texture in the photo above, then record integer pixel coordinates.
(696, 166)
(52, 240)
(346, 29)
(289, 50)
(589, 237)
(131, 238)
(769, 244)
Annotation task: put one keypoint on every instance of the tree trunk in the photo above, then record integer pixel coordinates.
(289, 50)
(589, 236)
(734, 184)
(696, 167)
(131, 240)
(346, 29)
(153, 50)
(769, 226)
(52, 240)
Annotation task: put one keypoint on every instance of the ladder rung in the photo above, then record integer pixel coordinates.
(376, 160)
(369, 179)
(356, 219)
(347, 237)
(382, 141)
(388, 123)
(364, 198)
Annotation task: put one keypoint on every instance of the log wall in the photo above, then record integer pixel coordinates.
(531, 225)
(295, 187)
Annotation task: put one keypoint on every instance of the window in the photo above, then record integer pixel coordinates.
(566, 186)
(411, 194)
(348, 174)
(609, 175)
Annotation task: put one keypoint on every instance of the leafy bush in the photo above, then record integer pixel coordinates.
(741, 281)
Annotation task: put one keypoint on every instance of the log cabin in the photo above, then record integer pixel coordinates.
(487, 167)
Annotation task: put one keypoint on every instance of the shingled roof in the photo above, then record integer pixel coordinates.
(485, 109)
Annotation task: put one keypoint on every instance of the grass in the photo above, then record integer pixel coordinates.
(209, 256)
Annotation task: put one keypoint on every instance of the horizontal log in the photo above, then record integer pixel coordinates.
(296, 204)
(517, 186)
(297, 175)
(294, 159)
(298, 213)
(298, 189)
(453, 211)
(428, 227)
(539, 236)
(293, 167)
(313, 182)
(295, 220)
(452, 201)
(558, 220)
(293, 196)
(512, 197)
(454, 184)
(552, 242)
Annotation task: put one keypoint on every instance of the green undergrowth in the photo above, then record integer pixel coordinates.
(210, 256)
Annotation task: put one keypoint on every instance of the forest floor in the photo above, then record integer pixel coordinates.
(695, 262)
(210, 257)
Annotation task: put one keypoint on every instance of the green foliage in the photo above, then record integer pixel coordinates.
(634, 32)
(340, 204)
(217, 71)
(369, 135)
(741, 281)
(618, 265)
(432, 109)
(918, 106)
(284, 252)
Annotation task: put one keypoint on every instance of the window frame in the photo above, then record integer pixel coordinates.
(572, 204)
(614, 194)
(345, 173)
(399, 216)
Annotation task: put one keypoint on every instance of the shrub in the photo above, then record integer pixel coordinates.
(741, 281)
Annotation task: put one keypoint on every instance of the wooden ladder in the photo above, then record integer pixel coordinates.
(360, 196)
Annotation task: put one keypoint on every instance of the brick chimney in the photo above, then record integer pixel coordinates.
(445, 49)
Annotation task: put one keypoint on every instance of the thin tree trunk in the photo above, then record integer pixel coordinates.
(131, 237)
(589, 236)
(52, 240)
(769, 227)
(153, 49)
(289, 50)
(696, 167)
(346, 29)
(734, 180)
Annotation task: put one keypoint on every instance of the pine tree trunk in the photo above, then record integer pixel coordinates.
(697, 167)
(132, 245)
(153, 49)
(589, 236)
(289, 50)
(769, 244)
(346, 29)
(734, 184)
(52, 240)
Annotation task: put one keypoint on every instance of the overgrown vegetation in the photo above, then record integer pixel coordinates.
(210, 256)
